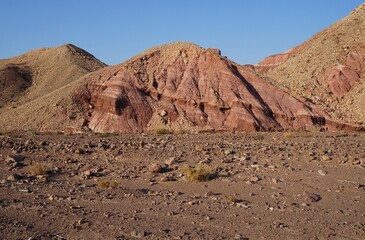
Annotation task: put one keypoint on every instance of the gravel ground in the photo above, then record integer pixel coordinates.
(182, 186)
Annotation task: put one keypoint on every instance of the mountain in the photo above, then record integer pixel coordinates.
(184, 86)
(43, 70)
(328, 69)
(317, 85)
(31, 82)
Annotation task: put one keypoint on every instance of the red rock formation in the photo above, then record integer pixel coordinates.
(181, 85)
(342, 78)
(277, 59)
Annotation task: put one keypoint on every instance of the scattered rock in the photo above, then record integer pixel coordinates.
(14, 177)
(14, 159)
(87, 174)
(254, 179)
(208, 194)
(163, 113)
(138, 234)
(155, 168)
(311, 197)
(228, 152)
(167, 178)
(325, 158)
(322, 172)
(120, 158)
(171, 161)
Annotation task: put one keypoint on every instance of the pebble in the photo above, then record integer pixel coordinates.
(254, 179)
(322, 172)
(14, 159)
(155, 168)
(311, 197)
(171, 161)
(274, 180)
(14, 177)
(167, 179)
(138, 234)
(208, 194)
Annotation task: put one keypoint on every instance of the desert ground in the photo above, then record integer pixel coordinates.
(204, 185)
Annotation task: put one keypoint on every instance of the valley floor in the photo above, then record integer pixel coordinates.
(136, 186)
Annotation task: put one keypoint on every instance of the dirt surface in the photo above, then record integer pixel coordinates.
(135, 186)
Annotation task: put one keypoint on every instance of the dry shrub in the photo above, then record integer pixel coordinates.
(198, 173)
(232, 199)
(162, 130)
(38, 169)
(288, 135)
(107, 184)
(180, 132)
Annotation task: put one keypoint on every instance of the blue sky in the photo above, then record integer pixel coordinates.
(114, 30)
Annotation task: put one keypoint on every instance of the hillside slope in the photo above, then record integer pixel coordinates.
(328, 69)
(32, 81)
(45, 70)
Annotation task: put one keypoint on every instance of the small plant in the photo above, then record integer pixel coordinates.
(232, 199)
(107, 184)
(180, 132)
(162, 130)
(198, 173)
(288, 135)
(38, 169)
(199, 148)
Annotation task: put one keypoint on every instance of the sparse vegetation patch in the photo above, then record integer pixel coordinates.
(38, 169)
(107, 184)
(162, 130)
(198, 173)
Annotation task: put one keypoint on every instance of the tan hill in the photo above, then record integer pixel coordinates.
(184, 86)
(41, 71)
(32, 81)
(328, 69)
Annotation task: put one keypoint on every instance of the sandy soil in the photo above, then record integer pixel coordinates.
(261, 186)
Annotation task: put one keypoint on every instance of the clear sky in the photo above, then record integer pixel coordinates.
(114, 30)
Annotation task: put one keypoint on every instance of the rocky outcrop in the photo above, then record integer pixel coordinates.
(342, 78)
(183, 86)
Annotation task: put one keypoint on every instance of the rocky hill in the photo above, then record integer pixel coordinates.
(328, 69)
(184, 86)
